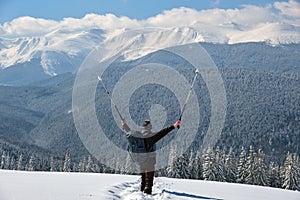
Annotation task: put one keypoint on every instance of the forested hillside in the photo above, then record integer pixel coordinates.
(262, 92)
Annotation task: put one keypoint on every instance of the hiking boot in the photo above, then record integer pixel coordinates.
(143, 181)
(148, 190)
(142, 188)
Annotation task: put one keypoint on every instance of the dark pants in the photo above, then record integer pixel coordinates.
(147, 173)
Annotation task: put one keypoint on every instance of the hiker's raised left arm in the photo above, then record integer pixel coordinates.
(155, 138)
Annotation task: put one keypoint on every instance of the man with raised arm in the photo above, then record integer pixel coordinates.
(142, 146)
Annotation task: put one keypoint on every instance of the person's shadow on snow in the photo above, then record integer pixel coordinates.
(181, 194)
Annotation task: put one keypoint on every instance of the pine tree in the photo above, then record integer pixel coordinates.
(118, 168)
(274, 175)
(181, 167)
(89, 164)
(230, 167)
(82, 164)
(66, 162)
(3, 158)
(7, 161)
(260, 170)
(241, 171)
(191, 165)
(219, 165)
(20, 162)
(198, 166)
(13, 163)
(290, 172)
(52, 164)
(209, 166)
(74, 167)
(96, 167)
(31, 163)
(171, 169)
(250, 167)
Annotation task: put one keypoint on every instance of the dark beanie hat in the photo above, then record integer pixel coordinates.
(147, 124)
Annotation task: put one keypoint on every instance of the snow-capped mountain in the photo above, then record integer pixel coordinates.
(63, 51)
(57, 45)
(33, 56)
(52, 48)
(140, 42)
(232, 33)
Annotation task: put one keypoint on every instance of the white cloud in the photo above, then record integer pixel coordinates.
(106, 22)
(247, 16)
(291, 8)
(27, 26)
(215, 24)
(174, 18)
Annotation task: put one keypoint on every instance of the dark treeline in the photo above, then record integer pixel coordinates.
(249, 167)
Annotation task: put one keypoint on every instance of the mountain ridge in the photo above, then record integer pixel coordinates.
(250, 55)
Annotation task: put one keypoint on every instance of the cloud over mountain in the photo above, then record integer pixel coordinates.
(248, 17)
(291, 8)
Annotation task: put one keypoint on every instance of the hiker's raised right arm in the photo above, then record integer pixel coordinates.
(125, 126)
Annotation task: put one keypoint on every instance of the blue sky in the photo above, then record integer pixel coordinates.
(135, 9)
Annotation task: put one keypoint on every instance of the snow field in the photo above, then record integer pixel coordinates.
(21, 185)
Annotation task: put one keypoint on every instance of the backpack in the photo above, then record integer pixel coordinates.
(137, 148)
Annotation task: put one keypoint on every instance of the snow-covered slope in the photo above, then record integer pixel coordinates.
(17, 185)
(140, 42)
(274, 33)
(52, 49)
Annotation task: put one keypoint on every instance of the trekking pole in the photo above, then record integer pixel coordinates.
(188, 96)
(108, 93)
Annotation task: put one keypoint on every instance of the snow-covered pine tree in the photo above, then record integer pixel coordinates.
(230, 167)
(52, 164)
(274, 175)
(260, 169)
(198, 166)
(82, 164)
(3, 158)
(31, 163)
(297, 166)
(74, 167)
(20, 162)
(118, 169)
(89, 164)
(290, 172)
(105, 168)
(220, 165)
(13, 163)
(96, 167)
(241, 170)
(181, 167)
(209, 167)
(66, 162)
(192, 165)
(250, 167)
(171, 163)
(7, 161)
